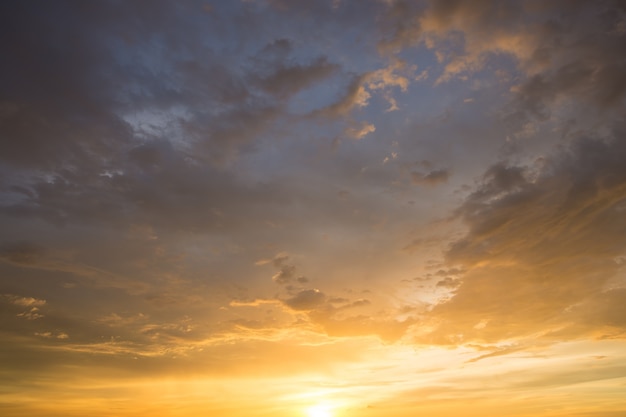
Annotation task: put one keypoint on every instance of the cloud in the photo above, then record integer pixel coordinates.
(529, 267)
(32, 305)
(355, 96)
(32, 314)
(448, 282)
(397, 74)
(123, 133)
(23, 301)
(21, 253)
(286, 272)
(431, 178)
(562, 54)
(31, 257)
(392, 76)
(50, 335)
(388, 330)
(360, 131)
(115, 320)
(306, 300)
(400, 26)
(331, 315)
(151, 153)
(286, 80)
(157, 185)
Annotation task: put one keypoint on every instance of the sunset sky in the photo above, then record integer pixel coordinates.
(301, 208)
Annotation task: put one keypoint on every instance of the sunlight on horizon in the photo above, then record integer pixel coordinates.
(319, 410)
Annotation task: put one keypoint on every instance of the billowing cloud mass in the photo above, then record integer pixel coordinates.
(372, 208)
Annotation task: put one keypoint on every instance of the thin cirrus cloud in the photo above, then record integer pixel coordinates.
(314, 203)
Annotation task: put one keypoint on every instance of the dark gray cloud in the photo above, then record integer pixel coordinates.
(285, 80)
(530, 263)
(97, 135)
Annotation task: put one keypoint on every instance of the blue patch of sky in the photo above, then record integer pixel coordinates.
(319, 95)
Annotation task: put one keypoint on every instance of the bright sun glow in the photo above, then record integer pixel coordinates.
(319, 411)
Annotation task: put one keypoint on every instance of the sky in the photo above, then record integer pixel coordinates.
(299, 208)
